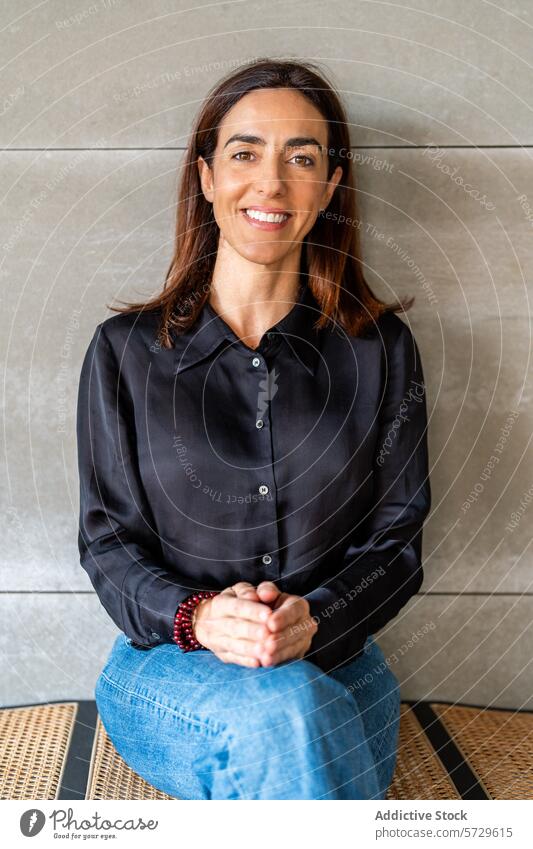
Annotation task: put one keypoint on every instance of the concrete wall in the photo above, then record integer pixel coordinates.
(96, 103)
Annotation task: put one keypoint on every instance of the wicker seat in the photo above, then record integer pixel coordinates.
(60, 750)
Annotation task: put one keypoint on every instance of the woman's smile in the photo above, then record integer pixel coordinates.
(265, 218)
(270, 168)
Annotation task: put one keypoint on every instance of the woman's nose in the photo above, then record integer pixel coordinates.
(270, 178)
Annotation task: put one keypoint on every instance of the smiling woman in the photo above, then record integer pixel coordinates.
(272, 137)
(271, 178)
(239, 517)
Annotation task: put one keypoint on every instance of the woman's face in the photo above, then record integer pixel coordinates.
(271, 158)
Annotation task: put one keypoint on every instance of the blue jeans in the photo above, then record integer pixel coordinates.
(197, 728)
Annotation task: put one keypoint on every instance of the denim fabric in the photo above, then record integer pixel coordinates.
(197, 728)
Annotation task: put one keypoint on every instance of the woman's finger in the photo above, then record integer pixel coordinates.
(240, 646)
(241, 660)
(226, 605)
(244, 589)
(269, 592)
(236, 645)
(284, 652)
(228, 591)
(233, 627)
(290, 641)
(292, 609)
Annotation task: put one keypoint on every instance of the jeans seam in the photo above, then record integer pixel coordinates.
(384, 736)
(233, 772)
(204, 725)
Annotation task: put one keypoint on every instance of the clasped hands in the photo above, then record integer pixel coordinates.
(255, 626)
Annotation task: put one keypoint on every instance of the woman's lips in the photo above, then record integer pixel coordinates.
(265, 225)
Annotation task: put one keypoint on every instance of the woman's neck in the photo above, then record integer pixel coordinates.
(251, 298)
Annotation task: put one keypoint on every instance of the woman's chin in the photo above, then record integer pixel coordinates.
(264, 254)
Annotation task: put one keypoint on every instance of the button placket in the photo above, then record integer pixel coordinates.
(267, 506)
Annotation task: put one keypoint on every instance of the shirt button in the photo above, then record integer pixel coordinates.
(267, 559)
(256, 362)
(259, 423)
(263, 489)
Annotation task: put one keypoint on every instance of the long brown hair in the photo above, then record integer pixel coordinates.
(331, 251)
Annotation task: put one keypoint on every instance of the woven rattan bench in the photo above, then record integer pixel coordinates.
(60, 750)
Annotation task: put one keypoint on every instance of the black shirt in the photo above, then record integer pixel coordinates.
(304, 462)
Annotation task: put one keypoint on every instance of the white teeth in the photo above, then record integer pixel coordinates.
(274, 217)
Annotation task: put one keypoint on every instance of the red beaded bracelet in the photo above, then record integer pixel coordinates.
(183, 630)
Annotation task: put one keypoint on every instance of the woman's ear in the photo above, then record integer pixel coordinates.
(333, 182)
(206, 179)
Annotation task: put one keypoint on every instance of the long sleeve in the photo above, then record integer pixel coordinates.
(382, 566)
(119, 547)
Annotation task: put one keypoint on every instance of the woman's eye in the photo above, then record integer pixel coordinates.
(246, 153)
(308, 158)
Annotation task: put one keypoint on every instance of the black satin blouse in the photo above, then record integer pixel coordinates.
(303, 461)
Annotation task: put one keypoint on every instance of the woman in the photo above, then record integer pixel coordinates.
(254, 471)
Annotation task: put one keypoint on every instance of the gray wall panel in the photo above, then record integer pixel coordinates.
(131, 74)
(439, 100)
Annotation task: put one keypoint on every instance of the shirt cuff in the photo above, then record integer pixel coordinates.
(338, 640)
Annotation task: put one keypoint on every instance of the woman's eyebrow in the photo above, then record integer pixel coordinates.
(296, 141)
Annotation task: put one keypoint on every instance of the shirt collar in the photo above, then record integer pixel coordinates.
(210, 330)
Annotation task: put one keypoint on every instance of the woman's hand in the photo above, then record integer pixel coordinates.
(254, 626)
(232, 624)
(290, 624)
